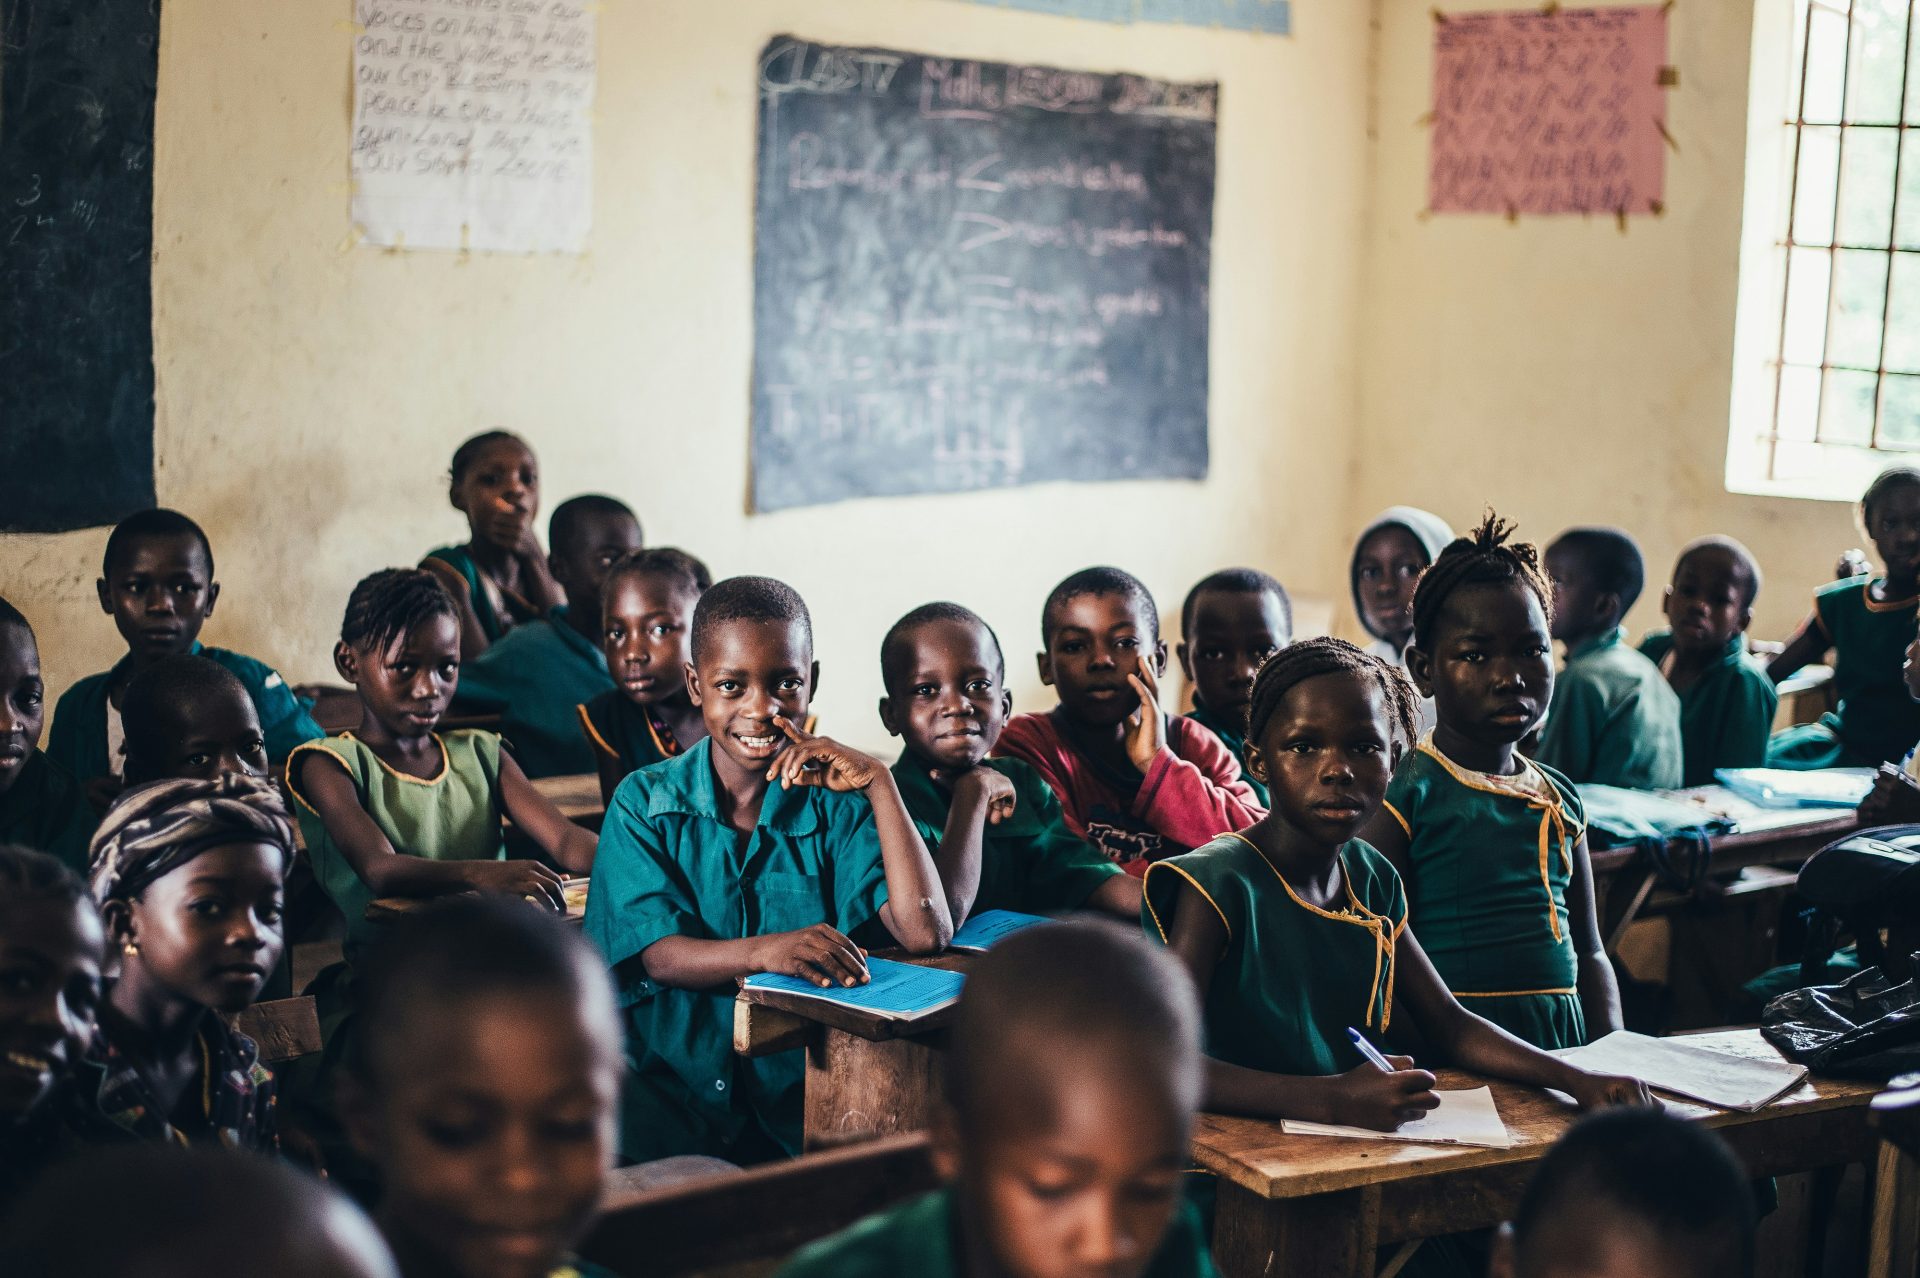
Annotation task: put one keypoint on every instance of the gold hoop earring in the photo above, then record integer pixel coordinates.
(130, 950)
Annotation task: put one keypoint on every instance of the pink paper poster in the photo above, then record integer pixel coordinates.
(1557, 112)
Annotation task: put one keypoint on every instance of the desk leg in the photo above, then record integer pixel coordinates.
(861, 1090)
(1331, 1235)
(1894, 1243)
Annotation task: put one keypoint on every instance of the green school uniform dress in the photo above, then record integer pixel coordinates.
(1726, 715)
(1877, 722)
(1030, 862)
(46, 810)
(455, 816)
(78, 738)
(1614, 720)
(621, 729)
(496, 612)
(670, 865)
(921, 1238)
(1293, 976)
(1490, 859)
(1233, 735)
(538, 675)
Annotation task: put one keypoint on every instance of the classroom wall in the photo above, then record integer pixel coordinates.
(1559, 370)
(311, 392)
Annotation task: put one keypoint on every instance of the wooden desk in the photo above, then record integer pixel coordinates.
(1322, 1205)
(867, 1076)
(390, 909)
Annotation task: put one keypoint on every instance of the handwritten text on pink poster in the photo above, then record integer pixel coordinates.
(1549, 112)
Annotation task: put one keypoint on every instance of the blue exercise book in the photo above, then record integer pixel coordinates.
(985, 930)
(901, 991)
(1784, 788)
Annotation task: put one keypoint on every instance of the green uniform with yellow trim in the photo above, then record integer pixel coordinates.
(454, 816)
(536, 676)
(921, 1238)
(669, 864)
(1490, 858)
(1877, 721)
(47, 810)
(1293, 977)
(1030, 862)
(1233, 735)
(618, 728)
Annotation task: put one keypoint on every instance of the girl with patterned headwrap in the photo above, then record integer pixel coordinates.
(190, 879)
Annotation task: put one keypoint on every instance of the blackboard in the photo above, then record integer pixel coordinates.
(973, 275)
(76, 237)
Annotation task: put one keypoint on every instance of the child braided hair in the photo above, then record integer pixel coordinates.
(390, 604)
(1485, 556)
(1300, 661)
(26, 875)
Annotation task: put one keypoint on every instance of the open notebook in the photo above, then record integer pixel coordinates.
(1461, 1118)
(898, 991)
(1697, 1073)
(990, 927)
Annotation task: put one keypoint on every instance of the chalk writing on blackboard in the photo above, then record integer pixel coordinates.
(471, 124)
(1271, 16)
(1560, 112)
(973, 274)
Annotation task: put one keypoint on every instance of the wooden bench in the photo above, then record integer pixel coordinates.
(282, 1029)
(748, 1222)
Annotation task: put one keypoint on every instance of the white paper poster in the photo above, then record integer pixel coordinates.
(471, 124)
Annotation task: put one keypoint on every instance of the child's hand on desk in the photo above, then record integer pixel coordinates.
(1607, 1091)
(1894, 800)
(987, 786)
(819, 954)
(1368, 1096)
(538, 883)
(823, 761)
(1146, 727)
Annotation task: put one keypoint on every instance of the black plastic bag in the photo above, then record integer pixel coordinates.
(1867, 1027)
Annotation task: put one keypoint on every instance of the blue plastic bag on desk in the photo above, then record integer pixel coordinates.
(1675, 835)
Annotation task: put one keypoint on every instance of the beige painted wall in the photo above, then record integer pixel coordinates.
(1559, 370)
(310, 393)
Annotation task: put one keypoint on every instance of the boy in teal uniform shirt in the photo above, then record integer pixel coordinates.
(707, 872)
(1231, 621)
(1727, 702)
(1613, 719)
(998, 839)
(541, 671)
(1075, 1063)
(41, 806)
(157, 584)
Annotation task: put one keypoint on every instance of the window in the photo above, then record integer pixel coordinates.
(1827, 389)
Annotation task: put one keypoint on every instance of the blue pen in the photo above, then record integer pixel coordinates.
(1368, 1050)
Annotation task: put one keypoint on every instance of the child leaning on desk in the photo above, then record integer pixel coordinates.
(1298, 893)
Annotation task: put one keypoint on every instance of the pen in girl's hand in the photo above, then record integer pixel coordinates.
(1368, 1050)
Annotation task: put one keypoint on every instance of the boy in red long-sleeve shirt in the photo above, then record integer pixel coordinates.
(1133, 781)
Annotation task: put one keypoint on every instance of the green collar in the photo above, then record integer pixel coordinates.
(928, 803)
(685, 785)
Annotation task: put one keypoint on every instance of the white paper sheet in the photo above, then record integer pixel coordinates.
(1686, 1069)
(1461, 1118)
(471, 124)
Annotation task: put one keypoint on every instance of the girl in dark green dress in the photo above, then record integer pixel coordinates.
(500, 575)
(1491, 844)
(1295, 930)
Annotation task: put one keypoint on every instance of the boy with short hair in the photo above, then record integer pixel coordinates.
(708, 872)
(994, 827)
(540, 671)
(1613, 720)
(1133, 781)
(1632, 1193)
(1060, 1029)
(1231, 621)
(1727, 702)
(187, 716)
(41, 804)
(157, 583)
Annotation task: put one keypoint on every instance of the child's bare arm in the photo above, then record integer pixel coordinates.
(1118, 894)
(915, 911)
(1599, 988)
(473, 639)
(1364, 1097)
(1388, 837)
(1483, 1047)
(569, 844)
(981, 797)
(819, 954)
(1809, 644)
(328, 789)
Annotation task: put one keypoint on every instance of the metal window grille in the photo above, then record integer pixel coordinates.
(1847, 365)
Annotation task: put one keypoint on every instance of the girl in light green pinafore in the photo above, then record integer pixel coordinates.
(1296, 931)
(1491, 844)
